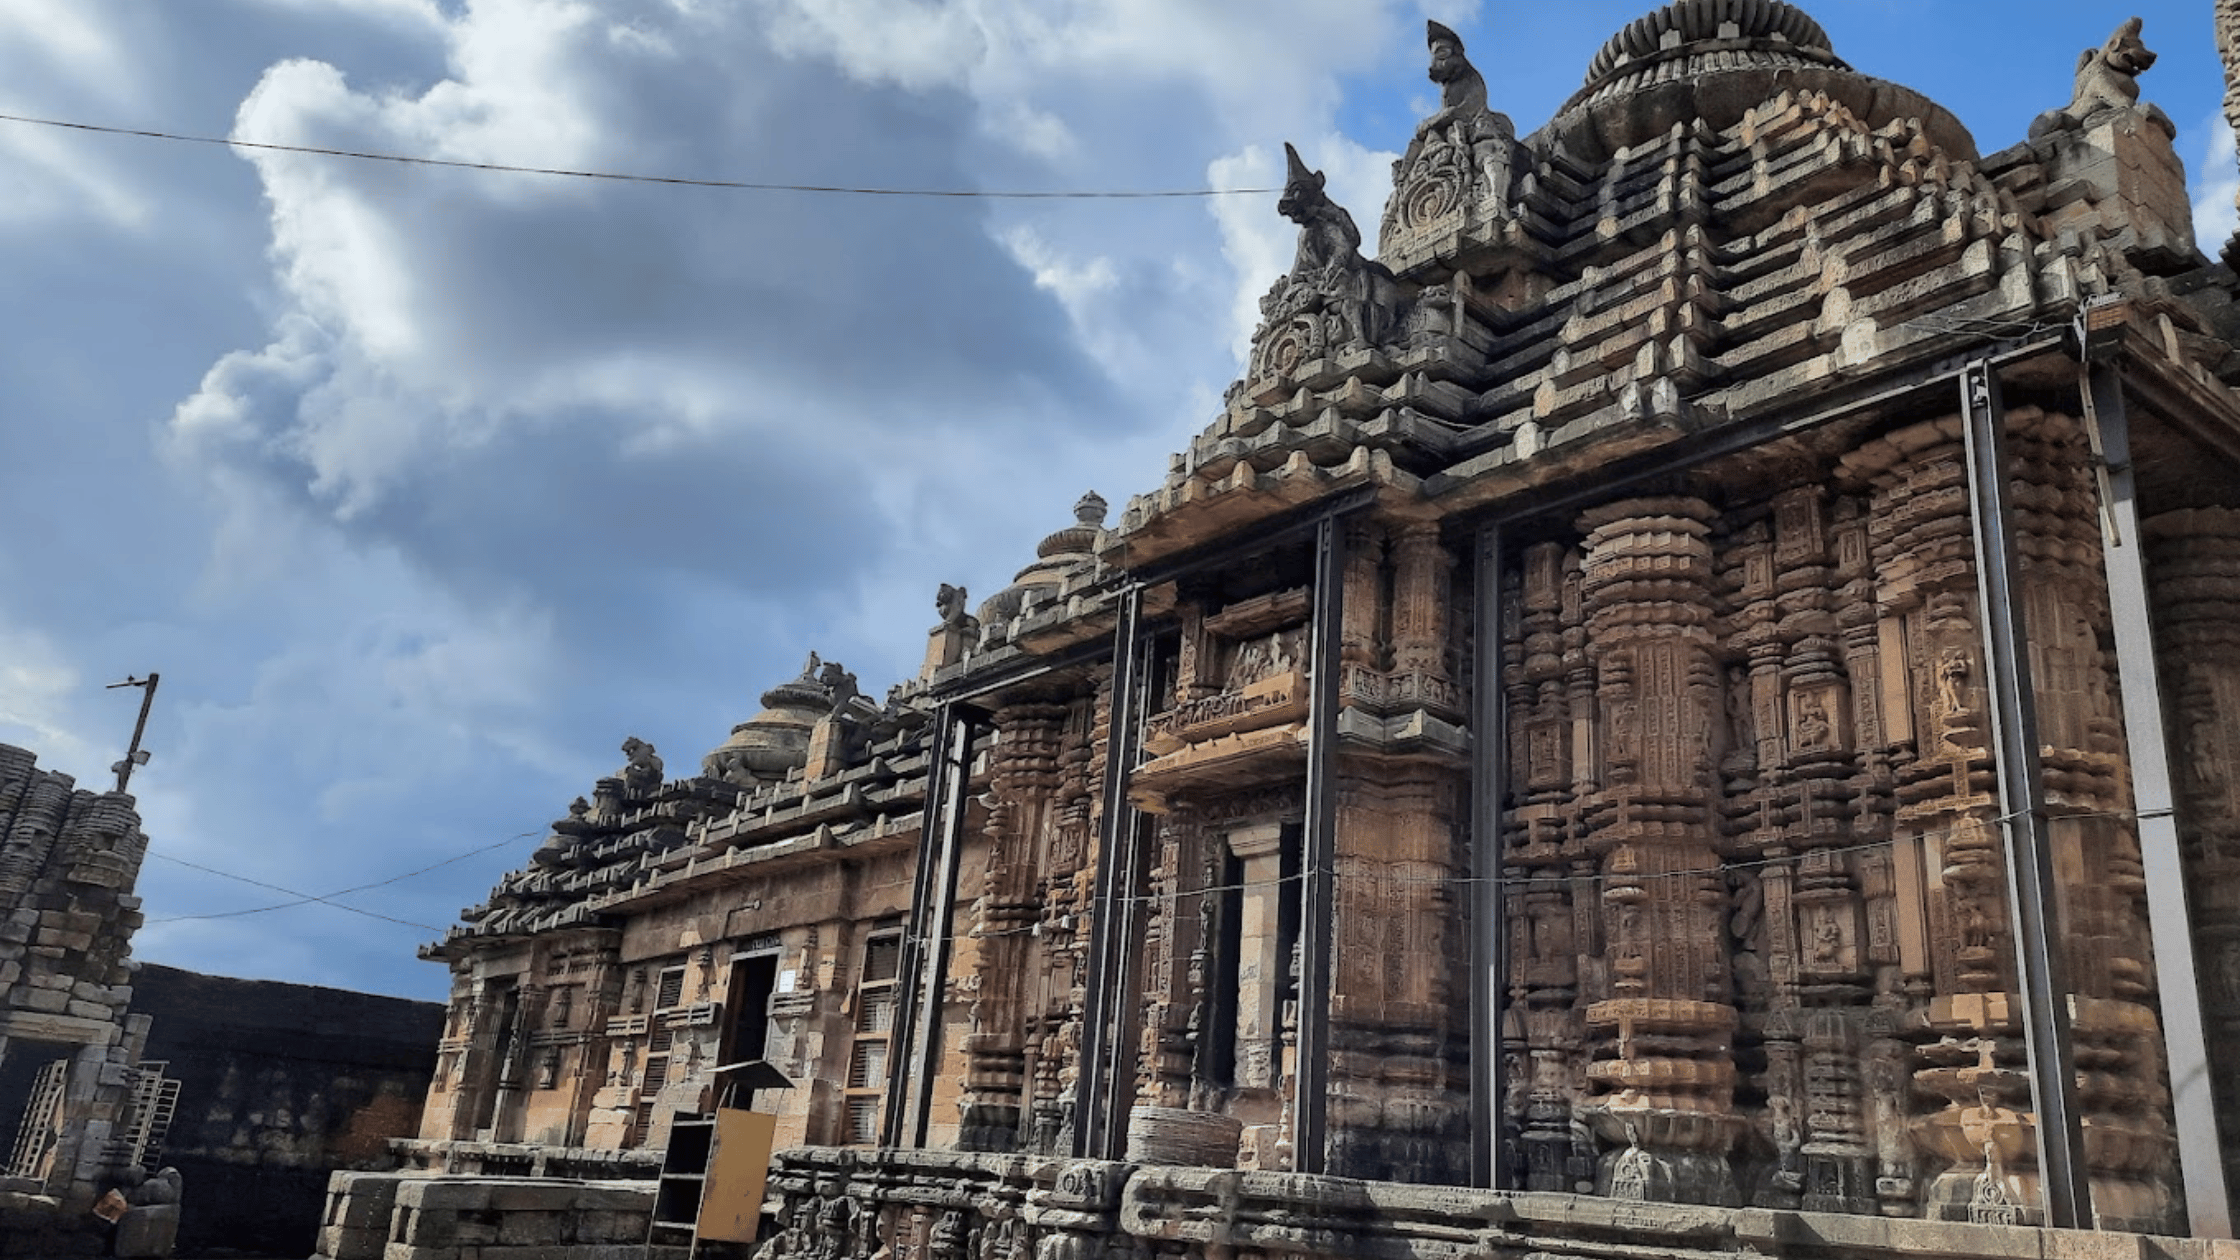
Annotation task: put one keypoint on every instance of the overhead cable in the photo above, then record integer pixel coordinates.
(627, 178)
(303, 898)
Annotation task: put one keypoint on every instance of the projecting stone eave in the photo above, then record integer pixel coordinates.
(1190, 511)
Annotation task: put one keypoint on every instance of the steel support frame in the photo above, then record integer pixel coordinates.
(2145, 724)
(2064, 1185)
(1097, 1102)
(1317, 893)
(1492, 1154)
(906, 1116)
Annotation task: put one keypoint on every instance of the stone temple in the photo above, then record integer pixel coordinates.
(1691, 706)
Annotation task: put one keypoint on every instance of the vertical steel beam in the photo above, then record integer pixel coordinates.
(1123, 1024)
(940, 942)
(894, 1107)
(2185, 1043)
(1102, 1000)
(2066, 1188)
(1491, 1161)
(1310, 1100)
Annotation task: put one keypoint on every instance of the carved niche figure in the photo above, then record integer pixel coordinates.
(1460, 159)
(1333, 299)
(1952, 680)
(641, 776)
(2107, 79)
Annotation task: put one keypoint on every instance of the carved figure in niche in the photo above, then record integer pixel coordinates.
(1259, 659)
(1827, 941)
(1629, 1175)
(1749, 907)
(641, 776)
(1813, 731)
(1788, 1141)
(1742, 740)
(1952, 680)
(2107, 78)
(548, 1068)
(1543, 764)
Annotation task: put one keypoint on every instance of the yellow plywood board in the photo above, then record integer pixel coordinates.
(731, 1200)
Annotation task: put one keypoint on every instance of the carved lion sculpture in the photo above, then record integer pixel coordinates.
(642, 775)
(1328, 238)
(949, 601)
(2107, 78)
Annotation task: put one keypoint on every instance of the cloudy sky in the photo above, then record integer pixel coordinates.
(422, 487)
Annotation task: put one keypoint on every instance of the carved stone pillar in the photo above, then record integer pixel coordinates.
(1550, 689)
(1664, 1072)
(1970, 1049)
(1023, 781)
(1393, 1115)
(2194, 576)
(1422, 599)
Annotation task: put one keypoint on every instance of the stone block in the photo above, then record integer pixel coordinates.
(610, 1227)
(613, 1198)
(517, 1196)
(445, 1194)
(343, 1242)
(52, 1001)
(421, 1228)
(148, 1231)
(532, 1229)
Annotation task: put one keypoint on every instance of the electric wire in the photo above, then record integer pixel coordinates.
(304, 898)
(633, 178)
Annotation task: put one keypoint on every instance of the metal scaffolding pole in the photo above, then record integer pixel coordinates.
(925, 1048)
(2208, 1208)
(1491, 1160)
(1310, 1102)
(1103, 993)
(902, 1059)
(2065, 1188)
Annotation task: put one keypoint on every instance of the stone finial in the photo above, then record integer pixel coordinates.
(1089, 510)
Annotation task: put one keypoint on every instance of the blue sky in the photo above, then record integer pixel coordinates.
(423, 488)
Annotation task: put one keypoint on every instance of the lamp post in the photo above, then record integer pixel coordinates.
(136, 756)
